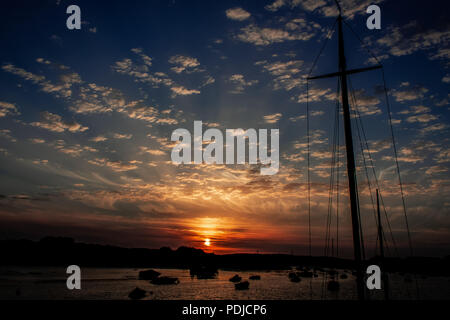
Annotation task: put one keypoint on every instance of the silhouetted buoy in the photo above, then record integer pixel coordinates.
(242, 285)
(137, 293)
(235, 278)
(148, 274)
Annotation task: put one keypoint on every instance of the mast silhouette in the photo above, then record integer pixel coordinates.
(351, 172)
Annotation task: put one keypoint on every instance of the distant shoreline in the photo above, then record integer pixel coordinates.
(61, 251)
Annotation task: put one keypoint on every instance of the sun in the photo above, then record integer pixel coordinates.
(207, 242)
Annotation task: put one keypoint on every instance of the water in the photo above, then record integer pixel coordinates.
(104, 284)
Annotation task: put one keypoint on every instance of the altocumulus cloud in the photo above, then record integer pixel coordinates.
(238, 14)
(54, 122)
(7, 108)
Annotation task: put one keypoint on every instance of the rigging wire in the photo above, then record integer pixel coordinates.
(337, 174)
(411, 252)
(358, 118)
(388, 105)
(397, 165)
(359, 129)
(308, 163)
(367, 146)
(333, 166)
(329, 35)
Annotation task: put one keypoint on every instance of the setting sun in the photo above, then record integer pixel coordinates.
(207, 242)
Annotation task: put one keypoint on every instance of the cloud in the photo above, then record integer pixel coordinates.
(61, 89)
(286, 73)
(37, 140)
(281, 68)
(154, 152)
(145, 58)
(276, 5)
(309, 5)
(327, 8)
(183, 63)
(433, 128)
(272, 118)
(266, 36)
(23, 73)
(43, 61)
(122, 136)
(413, 37)
(423, 118)
(237, 13)
(6, 133)
(52, 64)
(209, 80)
(55, 123)
(443, 156)
(7, 108)
(117, 166)
(317, 94)
(71, 150)
(126, 66)
(415, 110)
(379, 145)
(98, 139)
(367, 105)
(241, 83)
(433, 170)
(412, 93)
(182, 91)
(141, 72)
(419, 114)
(303, 116)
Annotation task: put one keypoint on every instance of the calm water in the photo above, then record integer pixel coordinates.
(50, 283)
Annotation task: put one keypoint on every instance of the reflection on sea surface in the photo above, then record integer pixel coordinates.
(50, 283)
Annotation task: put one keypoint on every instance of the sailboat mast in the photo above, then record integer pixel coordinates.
(351, 172)
(350, 162)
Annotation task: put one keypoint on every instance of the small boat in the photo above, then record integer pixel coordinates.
(137, 294)
(293, 276)
(255, 277)
(165, 280)
(148, 274)
(204, 272)
(333, 285)
(235, 278)
(242, 285)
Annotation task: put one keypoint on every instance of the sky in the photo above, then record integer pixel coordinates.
(86, 118)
